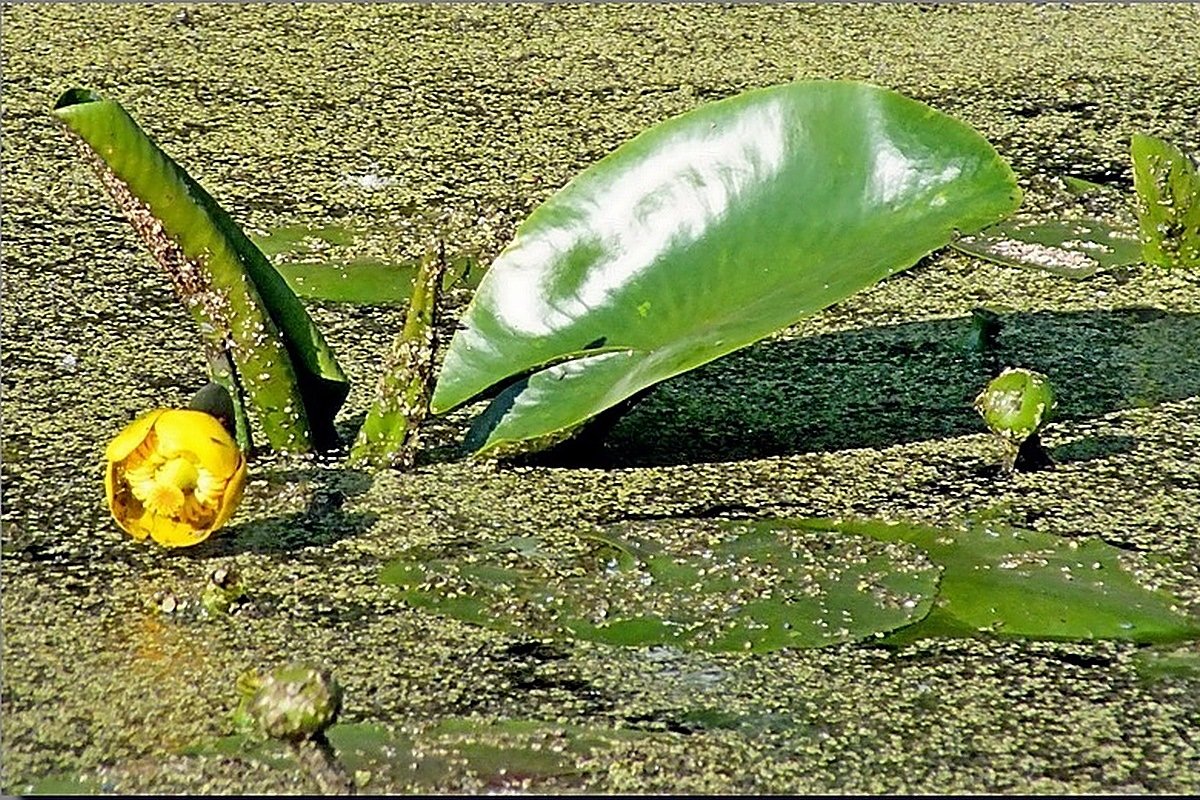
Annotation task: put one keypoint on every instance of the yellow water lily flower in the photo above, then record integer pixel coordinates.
(175, 475)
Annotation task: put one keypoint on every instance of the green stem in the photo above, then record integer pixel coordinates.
(222, 373)
(389, 436)
(319, 761)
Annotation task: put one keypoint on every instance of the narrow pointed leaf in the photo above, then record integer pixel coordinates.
(390, 434)
(283, 364)
(706, 233)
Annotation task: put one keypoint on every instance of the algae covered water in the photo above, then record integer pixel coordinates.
(393, 121)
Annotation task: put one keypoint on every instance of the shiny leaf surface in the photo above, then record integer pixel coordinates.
(704, 234)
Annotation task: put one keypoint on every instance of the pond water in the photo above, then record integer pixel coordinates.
(388, 120)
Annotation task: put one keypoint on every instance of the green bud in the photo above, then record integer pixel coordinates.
(1016, 404)
(223, 590)
(214, 400)
(296, 701)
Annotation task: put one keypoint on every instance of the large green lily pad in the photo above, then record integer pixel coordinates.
(704, 234)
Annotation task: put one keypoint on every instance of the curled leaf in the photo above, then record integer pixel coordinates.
(704, 234)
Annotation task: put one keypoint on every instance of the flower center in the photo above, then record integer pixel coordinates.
(164, 486)
(180, 473)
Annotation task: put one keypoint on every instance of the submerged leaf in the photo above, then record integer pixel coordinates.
(321, 263)
(368, 281)
(502, 755)
(1158, 664)
(1012, 582)
(1168, 202)
(704, 234)
(714, 587)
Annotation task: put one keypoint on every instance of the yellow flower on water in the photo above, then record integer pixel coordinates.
(175, 475)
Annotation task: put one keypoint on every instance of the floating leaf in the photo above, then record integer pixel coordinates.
(362, 281)
(63, 785)
(508, 754)
(243, 306)
(704, 234)
(1168, 202)
(716, 588)
(1013, 582)
(316, 265)
(288, 239)
(1072, 247)
(1081, 186)
(1156, 664)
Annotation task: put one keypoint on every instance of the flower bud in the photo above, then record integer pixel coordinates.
(1016, 404)
(296, 701)
(175, 475)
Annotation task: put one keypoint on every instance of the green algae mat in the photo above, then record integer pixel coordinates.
(794, 568)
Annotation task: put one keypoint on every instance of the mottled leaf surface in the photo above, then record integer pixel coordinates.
(288, 373)
(698, 586)
(1013, 582)
(1167, 185)
(1074, 247)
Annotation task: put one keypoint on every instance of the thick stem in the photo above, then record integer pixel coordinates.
(389, 436)
(222, 373)
(318, 759)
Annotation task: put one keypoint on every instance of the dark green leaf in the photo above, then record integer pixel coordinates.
(1168, 202)
(704, 234)
(1012, 582)
(289, 375)
(507, 753)
(716, 587)
(1156, 664)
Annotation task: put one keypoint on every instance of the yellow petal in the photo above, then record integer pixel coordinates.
(184, 430)
(116, 491)
(231, 496)
(133, 524)
(170, 533)
(132, 435)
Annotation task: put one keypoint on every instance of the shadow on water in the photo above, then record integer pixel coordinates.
(323, 522)
(889, 385)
